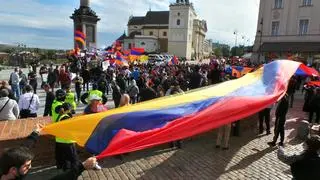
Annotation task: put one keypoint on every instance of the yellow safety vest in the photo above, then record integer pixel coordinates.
(60, 140)
(53, 110)
(70, 99)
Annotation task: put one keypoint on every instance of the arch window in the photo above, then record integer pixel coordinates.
(178, 22)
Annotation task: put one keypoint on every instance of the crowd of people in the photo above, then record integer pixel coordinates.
(130, 85)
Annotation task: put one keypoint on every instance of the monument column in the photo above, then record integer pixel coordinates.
(85, 20)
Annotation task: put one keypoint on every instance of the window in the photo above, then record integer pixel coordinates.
(164, 33)
(151, 33)
(178, 14)
(278, 4)
(275, 28)
(130, 46)
(306, 2)
(143, 43)
(303, 26)
(178, 22)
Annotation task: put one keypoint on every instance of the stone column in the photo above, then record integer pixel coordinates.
(84, 3)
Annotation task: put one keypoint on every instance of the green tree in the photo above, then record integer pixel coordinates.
(218, 52)
(225, 51)
(50, 54)
(237, 51)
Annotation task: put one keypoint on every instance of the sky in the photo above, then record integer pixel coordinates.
(47, 23)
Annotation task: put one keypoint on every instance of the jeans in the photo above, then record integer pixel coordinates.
(311, 116)
(21, 88)
(133, 100)
(264, 116)
(16, 90)
(224, 133)
(291, 98)
(279, 128)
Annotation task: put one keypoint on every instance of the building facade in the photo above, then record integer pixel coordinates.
(177, 31)
(288, 28)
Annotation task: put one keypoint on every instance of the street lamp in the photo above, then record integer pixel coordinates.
(260, 39)
(236, 41)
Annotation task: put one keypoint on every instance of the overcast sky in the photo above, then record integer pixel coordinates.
(46, 23)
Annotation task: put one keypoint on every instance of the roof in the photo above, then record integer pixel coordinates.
(290, 47)
(152, 17)
(136, 20)
(157, 17)
(122, 37)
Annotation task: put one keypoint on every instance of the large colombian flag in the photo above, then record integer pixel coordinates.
(168, 119)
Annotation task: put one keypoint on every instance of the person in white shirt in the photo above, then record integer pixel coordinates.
(9, 109)
(28, 103)
(14, 82)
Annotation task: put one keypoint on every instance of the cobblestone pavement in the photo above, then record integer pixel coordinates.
(249, 157)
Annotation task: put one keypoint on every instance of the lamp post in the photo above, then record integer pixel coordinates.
(260, 39)
(236, 41)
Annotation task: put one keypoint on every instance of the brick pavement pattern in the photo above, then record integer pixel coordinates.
(249, 156)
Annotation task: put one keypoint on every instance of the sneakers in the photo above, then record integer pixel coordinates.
(272, 144)
(97, 167)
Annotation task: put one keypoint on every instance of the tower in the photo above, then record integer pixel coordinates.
(85, 20)
(181, 18)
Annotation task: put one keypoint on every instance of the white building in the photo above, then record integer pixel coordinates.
(177, 31)
(288, 27)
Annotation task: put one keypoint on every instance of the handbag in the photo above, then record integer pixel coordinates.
(25, 113)
(4, 105)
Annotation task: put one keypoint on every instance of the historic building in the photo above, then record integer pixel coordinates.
(288, 28)
(177, 31)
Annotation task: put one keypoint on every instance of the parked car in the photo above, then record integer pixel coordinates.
(154, 58)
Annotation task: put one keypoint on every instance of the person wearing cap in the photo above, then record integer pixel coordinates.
(60, 98)
(95, 105)
(71, 99)
(85, 98)
(304, 165)
(65, 151)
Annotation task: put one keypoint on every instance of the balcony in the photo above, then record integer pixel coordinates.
(291, 38)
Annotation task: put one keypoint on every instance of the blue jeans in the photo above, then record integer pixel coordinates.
(16, 90)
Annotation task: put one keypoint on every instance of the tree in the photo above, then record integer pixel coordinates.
(225, 51)
(218, 52)
(237, 51)
(50, 54)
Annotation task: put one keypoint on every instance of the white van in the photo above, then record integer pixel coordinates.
(154, 58)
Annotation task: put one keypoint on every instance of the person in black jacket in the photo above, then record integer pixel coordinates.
(116, 94)
(196, 79)
(315, 107)
(147, 93)
(49, 100)
(305, 165)
(15, 163)
(281, 112)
